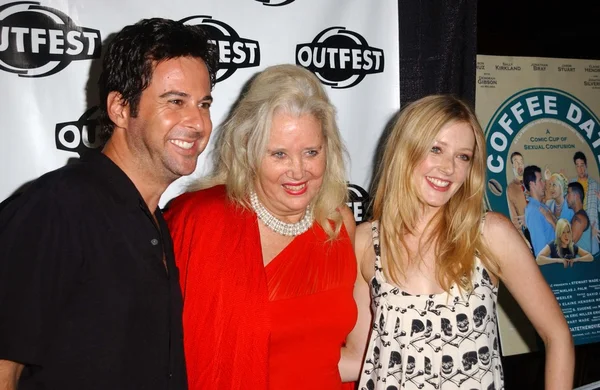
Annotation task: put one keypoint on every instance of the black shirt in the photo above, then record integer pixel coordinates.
(566, 252)
(85, 299)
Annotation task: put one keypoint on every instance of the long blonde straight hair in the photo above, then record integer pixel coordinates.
(456, 227)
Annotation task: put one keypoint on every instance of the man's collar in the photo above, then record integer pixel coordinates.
(117, 182)
(534, 199)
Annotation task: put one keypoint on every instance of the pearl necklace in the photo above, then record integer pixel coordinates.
(278, 226)
(558, 208)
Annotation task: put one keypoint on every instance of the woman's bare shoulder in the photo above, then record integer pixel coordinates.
(496, 223)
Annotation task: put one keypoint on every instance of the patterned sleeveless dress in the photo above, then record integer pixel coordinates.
(439, 341)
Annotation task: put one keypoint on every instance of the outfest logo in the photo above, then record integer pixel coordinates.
(235, 52)
(527, 108)
(358, 201)
(275, 3)
(81, 135)
(37, 41)
(339, 57)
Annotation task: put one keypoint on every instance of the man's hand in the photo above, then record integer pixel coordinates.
(9, 374)
(519, 221)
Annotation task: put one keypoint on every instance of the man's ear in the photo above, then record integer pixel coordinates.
(118, 110)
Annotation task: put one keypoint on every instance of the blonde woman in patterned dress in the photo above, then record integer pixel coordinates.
(432, 260)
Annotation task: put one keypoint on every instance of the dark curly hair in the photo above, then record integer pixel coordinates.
(579, 156)
(132, 55)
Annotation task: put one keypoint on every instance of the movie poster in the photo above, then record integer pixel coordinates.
(543, 141)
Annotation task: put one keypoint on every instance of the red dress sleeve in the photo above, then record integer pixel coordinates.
(225, 318)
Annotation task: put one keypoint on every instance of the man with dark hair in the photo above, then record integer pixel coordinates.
(590, 189)
(580, 223)
(89, 291)
(540, 229)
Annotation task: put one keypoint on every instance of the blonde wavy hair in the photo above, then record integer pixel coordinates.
(242, 140)
(561, 225)
(456, 227)
(562, 181)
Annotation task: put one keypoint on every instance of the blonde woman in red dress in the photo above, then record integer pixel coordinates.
(265, 249)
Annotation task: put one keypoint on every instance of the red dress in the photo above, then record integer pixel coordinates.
(247, 326)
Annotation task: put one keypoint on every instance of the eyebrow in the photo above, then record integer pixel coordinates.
(185, 95)
(442, 143)
(284, 149)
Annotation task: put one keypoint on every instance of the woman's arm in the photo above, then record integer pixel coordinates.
(356, 342)
(584, 256)
(544, 258)
(522, 277)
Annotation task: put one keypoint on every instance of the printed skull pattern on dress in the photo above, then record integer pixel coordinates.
(441, 341)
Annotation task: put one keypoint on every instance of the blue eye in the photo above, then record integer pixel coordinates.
(465, 157)
(436, 150)
(278, 154)
(313, 152)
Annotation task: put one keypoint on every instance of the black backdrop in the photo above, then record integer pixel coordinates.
(437, 48)
(439, 41)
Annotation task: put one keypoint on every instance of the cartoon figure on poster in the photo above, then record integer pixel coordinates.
(563, 249)
(556, 198)
(537, 214)
(516, 195)
(591, 192)
(543, 152)
(552, 197)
